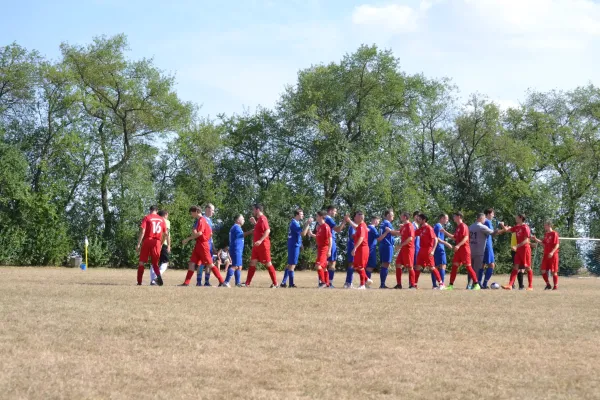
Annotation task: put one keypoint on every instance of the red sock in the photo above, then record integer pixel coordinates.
(156, 269)
(326, 276)
(398, 275)
(217, 273)
(411, 277)
(453, 274)
(438, 277)
(140, 274)
(321, 275)
(513, 276)
(472, 274)
(272, 274)
(545, 276)
(363, 276)
(188, 277)
(251, 272)
(530, 277)
(555, 279)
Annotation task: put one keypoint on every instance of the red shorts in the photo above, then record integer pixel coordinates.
(361, 258)
(322, 257)
(150, 249)
(425, 260)
(523, 256)
(261, 253)
(406, 257)
(201, 254)
(550, 264)
(462, 257)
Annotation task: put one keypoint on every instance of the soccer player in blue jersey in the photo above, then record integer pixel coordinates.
(295, 233)
(440, 252)
(350, 257)
(335, 229)
(386, 245)
(417, 242)
(209, 212)
(373, 239)
(489, 260)
(236, 250)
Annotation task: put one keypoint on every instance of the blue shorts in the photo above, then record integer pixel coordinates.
(417, 248)
(236, 258)
(350, 257)
(440, 257)
(488, 256)
(333, 253)
(386, 253)
(372, 263)
(293, 255)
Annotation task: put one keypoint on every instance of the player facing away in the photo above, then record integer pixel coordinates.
(439, 256)
(324, 247)
(522, 251)
(201, 255)
(386, 245)
(462, 251)
(335, 229)
(165, 250)
(152, 231)
(261, 246)
(425, 259)
(294, 244)
(551, 244)
(406, 256)
(350, 257)
(209, 212)
(373, 237)
(489, 260)
(360, 253)
(236, 250)
(479, 233)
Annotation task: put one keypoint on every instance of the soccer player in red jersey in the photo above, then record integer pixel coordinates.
(201, 254)
(425, 258)
(361, 248)
(462, 251)
(261, 250)
(324, 248)
(406, 256)
(153, 227)
(550, 261)
(522, 251)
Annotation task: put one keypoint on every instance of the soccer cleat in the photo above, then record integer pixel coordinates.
(159, 280)
(225, 284)
(368, 283)
(153, 283)
(198, 284)
(442, 287)
(322, 286)
(331, 286)
(207, 284)
(362, 287)
(292, 286)
(347, 285)
(469, 287)
(273, 286)
(555, 288)
(184, 284)
(412, 287)
(529, 289)
(548, 287)
(476, 286)
(450, 287)
(521, 287)
(240, 285)
(139, 284)
(507, 287)
(484, 287)
(283, 285)
(384, 287)
(398, 287)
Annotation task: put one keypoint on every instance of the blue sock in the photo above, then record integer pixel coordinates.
(442, 274)
(291, 276)
(488, 275)
(480, 274)
(199, 274)
(331, 274)
(383, 273)
(368, 274)
(238, 276)
(433, 280)
(229, 274)
(206, 276)
(285, 276)
(349, 275)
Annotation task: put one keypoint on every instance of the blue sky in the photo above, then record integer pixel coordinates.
(235, 55)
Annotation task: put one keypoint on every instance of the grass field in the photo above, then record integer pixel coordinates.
(72, 334)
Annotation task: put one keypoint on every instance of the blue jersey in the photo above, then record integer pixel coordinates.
(351, 232)
(294, 234)
(236, 239)
(373, 235)
(329, 221)
(388, 241)
(417, 240)
(437, 228)
(489, 244)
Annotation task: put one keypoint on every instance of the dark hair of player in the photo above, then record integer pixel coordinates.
(297, 212)
(237, 217)
(153, 208)
(442, 215)
(458, 214)
(488, 211)
(321, 213)
(258, 206)
(331, 207)
(162, 213)
(416, 213)
(423, 217)
(195, 209)
(388, 212)
(522, 216)
(406, 214)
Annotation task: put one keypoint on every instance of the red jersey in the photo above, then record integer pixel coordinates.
(262, 224)
(550, 241)
(408, 231)
(204, 227)
(462, 231)
(427, 235)
(323, 236)
(522, 232)
(362, 232)
(154, 226)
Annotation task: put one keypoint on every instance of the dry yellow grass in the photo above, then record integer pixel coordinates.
(72, 334)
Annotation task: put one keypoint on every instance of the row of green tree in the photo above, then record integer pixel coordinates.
(89, 141)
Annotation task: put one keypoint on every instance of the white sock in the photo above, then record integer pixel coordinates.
(152, 275)
(163, 268)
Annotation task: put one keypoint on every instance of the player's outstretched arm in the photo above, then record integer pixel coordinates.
(139, 243)
(384, 234)
(307, 227)
(348, 221)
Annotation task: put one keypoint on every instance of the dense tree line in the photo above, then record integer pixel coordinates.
(89, 141)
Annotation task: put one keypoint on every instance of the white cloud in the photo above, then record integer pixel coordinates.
(394, 18)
